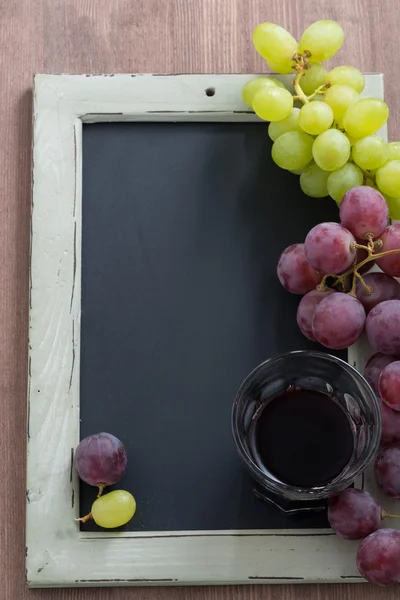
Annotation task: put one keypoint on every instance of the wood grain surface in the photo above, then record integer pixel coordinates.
(164, 36)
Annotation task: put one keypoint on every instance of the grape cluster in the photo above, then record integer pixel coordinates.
(354, 515)
(340, 298)
(331, 141)
(100, 460)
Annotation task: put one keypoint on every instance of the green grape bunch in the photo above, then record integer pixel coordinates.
(331, 141)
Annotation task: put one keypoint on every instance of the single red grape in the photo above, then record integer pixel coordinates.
(354, 514)
(374, 368)
(100, 459)
(306, 309)
(387, 469)
(328, 248)
(295, 273)
(364, 210)
(389, 385)
(383, 286)
(383, 327)
(338, 321)
(378, 557)
(390, 424)
(391, 241)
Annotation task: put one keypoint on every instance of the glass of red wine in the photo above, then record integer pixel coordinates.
(306, 425)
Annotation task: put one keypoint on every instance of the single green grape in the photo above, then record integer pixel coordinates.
(113, 509)
(394, 207)
(388, 178)
(313, 181)
(291, 123)
(331, 150)
(339, 98)
(292, 150)
(342, 180)
(315, 117)
(254, 85)
(370, 152)
(313, 78)
(365, 117)
(322, 39)
(274, 43)
(272, 103)
(347, 76)
(393, 151)
(282, 68)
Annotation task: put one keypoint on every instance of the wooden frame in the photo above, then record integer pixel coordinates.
(58, 553)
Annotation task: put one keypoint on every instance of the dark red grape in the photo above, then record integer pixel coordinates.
(387, 469)
(306, 309)
(378, 557)
(374, 368)
(364, 210)
(390, 424)
(391, 241)
(389, 385)
(383, 286)
(383, 327)
(338, 321)
(354, 514)
(328, 248)
(100, 460)
(295, 273)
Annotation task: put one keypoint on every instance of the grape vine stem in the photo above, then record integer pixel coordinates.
(386, 515)
(340, 279)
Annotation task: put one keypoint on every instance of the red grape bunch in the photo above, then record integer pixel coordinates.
(356, 515)
(340, 298)
(321, 128)
(100, 460)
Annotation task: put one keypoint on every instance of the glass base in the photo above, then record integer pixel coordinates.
(288, 507)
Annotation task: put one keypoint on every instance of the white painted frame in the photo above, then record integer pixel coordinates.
(58, 553)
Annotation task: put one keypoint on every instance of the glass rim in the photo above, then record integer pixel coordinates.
(318, 491)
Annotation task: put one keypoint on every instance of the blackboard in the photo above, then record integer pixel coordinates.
(182, 225)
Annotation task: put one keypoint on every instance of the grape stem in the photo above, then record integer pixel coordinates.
(101, 489)
(85, 519)
(386, 515)
(341, 279)
(302, 65)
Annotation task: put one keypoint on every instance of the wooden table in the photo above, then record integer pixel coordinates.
(103, 36)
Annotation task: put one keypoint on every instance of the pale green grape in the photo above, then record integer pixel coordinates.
(315, 117)
(394, 207)
(292, 150)
(291, 123)
(342, 180)
(339, 98)
(282, 67)
(272, 103)
(365, 117)
(393, 151)
(274, 43)
(113, 509)
(313, 78)
(300, 171)
(313, 181)
(388, 178)
(322, 39)
(331, 150)
(254, 85)
(347, 76)
(370, 152)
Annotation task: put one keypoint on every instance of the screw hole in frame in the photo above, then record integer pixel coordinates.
(210, 91)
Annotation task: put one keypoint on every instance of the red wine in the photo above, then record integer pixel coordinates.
(302, 437)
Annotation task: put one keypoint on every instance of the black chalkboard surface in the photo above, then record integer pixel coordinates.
(183, 224)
